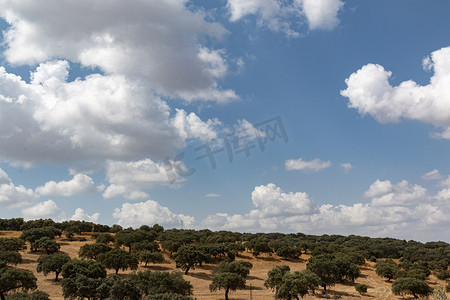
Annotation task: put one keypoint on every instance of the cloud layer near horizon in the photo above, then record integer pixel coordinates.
(395, 210)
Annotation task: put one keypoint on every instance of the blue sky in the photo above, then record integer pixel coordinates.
(96, 102)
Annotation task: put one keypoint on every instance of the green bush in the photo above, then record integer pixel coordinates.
(361, 288)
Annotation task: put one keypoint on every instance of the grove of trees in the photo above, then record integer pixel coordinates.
(331, 259)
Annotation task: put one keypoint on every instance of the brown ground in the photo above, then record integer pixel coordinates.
(200, 278)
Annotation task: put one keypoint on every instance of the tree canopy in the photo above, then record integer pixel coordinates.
(91, 251)
(14, 279)
(187, 257)
(291, 285)
(332, 269)
(12, 244)
(46, 245)
(34, 234)
(387, 269)
(227, 281)
(147, 256)
(411, 286)
(52, 263)
(87, 268)
(117, 259)
(36, 295)
(152, 283)
(241, 267)
(275, 277)
(297, 284)
(128, 238)
(10, 257)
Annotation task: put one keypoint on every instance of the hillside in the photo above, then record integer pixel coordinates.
(200, 278)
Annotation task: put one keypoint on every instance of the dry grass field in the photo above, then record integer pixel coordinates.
(200, 278)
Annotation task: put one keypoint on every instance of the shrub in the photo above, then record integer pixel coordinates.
(361, 288)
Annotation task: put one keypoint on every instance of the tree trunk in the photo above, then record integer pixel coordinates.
(324, 289)
(117, 271)
(414, 295)
(226, 293)
(2, 296)
(187, 270)
(57, 273)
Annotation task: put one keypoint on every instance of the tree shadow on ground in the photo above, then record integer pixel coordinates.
(254, 288)
(331, 294)
(266, 258)
(156, 268)
(250, 277)
(294, 260)
(201, 275)
(27, 261)
(206, 267)
(51, 280)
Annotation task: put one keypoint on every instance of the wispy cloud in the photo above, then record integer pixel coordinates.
(432, 175)
(346, 167)
(213, 195)
(314, 165)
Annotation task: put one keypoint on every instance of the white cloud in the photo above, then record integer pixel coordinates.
(314, 165)
(46, 209)
(322, 14)
(16, 196)
(273, 206)
(400, 194)
(282, 16)
(12, 195)
(378, 188)
(81, 215)
(96, 118)
(445, 182)
(346, 167)
(427, 64)
(148, 213)
(223, 221)
(80, 184)
(157, 42)
(443, 195)
(213, 195)
(128, 178)
(370, 92)
(191, 126)
(4, 178)
(217, 66)
(244, 128)
(432, 175)
(239, 9)
(411, 213)
(270, 201)
(100, 117)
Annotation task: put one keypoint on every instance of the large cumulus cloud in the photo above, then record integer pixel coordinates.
(370, 92)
